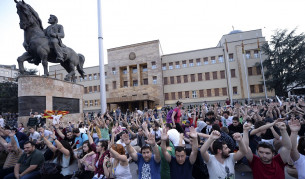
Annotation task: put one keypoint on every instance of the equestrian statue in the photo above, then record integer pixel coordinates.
(45, 45)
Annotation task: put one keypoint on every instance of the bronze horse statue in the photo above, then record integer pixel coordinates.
(37, 46)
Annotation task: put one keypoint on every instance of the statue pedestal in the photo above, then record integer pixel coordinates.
(41, 93)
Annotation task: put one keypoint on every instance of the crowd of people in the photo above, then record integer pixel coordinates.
(203, 141)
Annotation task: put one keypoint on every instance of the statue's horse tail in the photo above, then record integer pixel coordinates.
(80, 65)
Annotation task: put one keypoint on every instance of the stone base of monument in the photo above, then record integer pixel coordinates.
(36, 94)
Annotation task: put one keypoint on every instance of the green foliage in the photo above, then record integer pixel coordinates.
(285, 62)
(9, 97)
(30, 71)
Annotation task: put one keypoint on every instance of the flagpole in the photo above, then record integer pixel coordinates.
(262, 68)
(229, 74)
(101, 59)
(246, 71)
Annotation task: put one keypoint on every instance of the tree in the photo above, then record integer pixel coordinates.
(9, 97)
(285, 62)
(30, 71)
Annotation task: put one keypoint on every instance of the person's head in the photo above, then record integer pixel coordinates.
(140, 131)
(69, 134)
(7, 130)
(265, 152)
(146, 153)
(156, 126)
(180, 155)
(118, 148)
(168, 126)
(215, 127)
(224, 129)
(32, 114)
(31, 129)
(76, 132)
(101, 146)
(53, 20)
(301, 145)
(41, 128)
(86, 147)
(221, 148)
(235, 121)
(80, 125)
(210, 114)
(20, 125)
(29, 147)
(257, 125)
(187, 123)
(226, 114)
(179, 104)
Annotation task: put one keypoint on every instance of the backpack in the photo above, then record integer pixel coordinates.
(169, 116)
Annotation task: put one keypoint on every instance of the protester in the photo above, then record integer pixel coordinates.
(86, 162)
(176, 117)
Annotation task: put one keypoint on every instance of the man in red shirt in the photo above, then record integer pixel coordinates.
(176, 117)
(266, 165)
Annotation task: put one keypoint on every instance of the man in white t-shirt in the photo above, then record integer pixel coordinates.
(174, 135)
(221, 165)
(34, 135)
(1, 121)
(226, 119)
(56, 118)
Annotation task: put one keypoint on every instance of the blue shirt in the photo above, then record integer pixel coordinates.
(8, 140)
(181, 171)
(148, 170)
(81, 138)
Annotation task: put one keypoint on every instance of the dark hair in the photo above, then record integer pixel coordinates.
(156, 124)
(216, 127)
(84, 153)
(76, 130)
(217, 145)
(180, 149)
(59, 154)
(259, 124)
(266, 145)
(104, 144)
(80, 125)
(178, 103)
(29, 142)
(145, 147)
(22, 124)
(168, 125)
(235, 119)
(301, 145)
(210, 113)
(226, 112)
(7, 127)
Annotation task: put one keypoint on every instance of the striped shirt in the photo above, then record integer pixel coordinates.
(12, 158)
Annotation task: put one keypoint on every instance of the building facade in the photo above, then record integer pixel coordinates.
(8, 73)
(139, 76)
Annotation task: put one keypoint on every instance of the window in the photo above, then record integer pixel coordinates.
(125, 71)
(172, 80)
(99, 88)
(135, 83)
(80, 79)
(114, 85)
(192, 77)
(258, 70)
(153, 65)
(214, 75)
(144, 68)
(248, 55)
(220, 59)
(231, 59)
(222, 74)
(113, 71)
(250, 71)
(95, 89)
(85, 77)
(166, 96)
(96, 102)
(134, 70)
(235, 90)
(86, 103)
(91, 102)
(125, 84)
(86, 90)
(198, 62)
(106, 87)
(256, 54)
(207, 76)
(252, 88)
(178, 79)
(209, 92)
(165, 80)
(95, 76)
(154, 80)
(145, 81)
(179, 95)
(233, 73)
(173, 95)
(199, 76)
(184, 65)
(164, 66)
(224, 92)
(213, 61)
(170, 65)
(105, 74)
(191, 63)
(90, 89)
(206, 61)
(216, 91)
(187, 95)
(185, 78)
(177, 65)
(201, 94)
(194, 94)
(260, 88)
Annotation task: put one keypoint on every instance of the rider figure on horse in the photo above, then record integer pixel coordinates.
(55, 32)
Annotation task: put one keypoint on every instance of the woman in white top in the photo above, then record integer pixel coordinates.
(117, 167)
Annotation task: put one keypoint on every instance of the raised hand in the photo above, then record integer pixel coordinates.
(42, 134)
(151, 139)
(144, 125)
(279, 120)
(237, 136)
(281, 125)
(294, 125)
(126, 139)
(247, 126)
(215, 135)
(193, 133)
(12, 133)
(164, 135)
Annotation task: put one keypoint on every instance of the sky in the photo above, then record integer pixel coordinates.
(180, 25)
